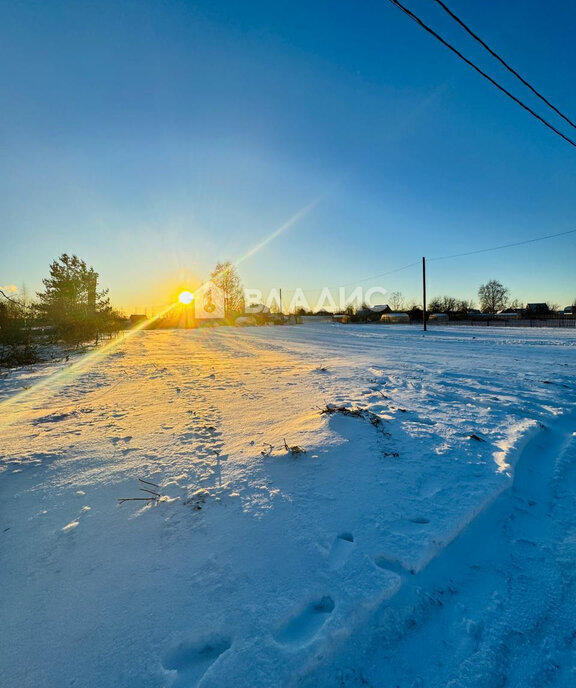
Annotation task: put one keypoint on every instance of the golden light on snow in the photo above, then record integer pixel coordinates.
(186, 297)
(53, 383)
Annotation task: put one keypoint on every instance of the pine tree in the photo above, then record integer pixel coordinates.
(71, 302)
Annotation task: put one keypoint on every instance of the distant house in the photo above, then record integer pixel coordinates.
(257, 308)
(537, 309)
(507, 313)
(384, 308)
(372, 313)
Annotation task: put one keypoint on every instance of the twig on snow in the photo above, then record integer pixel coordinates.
(294, 450)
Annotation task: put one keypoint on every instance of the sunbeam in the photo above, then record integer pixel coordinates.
(9, 407)
(49, 385)
(277, 232)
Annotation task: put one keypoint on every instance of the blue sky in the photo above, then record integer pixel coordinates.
(155, 138)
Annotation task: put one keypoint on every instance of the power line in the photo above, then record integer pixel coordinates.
(497, 248)
(482, 73)
(359, 281)
(453, 255)
(384, 274)
(503, 62)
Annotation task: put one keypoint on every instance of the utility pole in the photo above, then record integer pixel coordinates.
(281, 313)
(424, 292)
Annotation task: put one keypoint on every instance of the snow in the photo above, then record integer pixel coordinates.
(435, 548)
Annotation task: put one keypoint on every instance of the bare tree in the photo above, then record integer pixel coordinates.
(450, 304)
(446, 304)
(435, 305)
(493, 296)
(226, 277)
(396, 301)
(464, 306)
(16, 333)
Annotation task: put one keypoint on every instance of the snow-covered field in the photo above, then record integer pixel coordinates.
(436, 548)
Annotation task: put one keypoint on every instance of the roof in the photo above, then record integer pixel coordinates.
(257, 308)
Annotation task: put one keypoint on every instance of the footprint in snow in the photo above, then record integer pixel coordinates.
(192, 658)
(382, 561)
(341, 550)
(53, 418)
(302, 628)
(115, 440)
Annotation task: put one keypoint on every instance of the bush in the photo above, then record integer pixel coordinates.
(16, 334)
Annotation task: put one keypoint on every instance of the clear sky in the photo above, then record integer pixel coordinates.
(155, 138)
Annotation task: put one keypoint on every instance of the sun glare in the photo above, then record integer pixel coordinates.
(186, 297)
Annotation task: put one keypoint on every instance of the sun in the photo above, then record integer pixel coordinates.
(186, 297)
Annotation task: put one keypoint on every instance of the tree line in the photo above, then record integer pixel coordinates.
(71, 309)
(493, 296)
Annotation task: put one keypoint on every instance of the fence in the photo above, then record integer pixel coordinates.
(568, 322)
